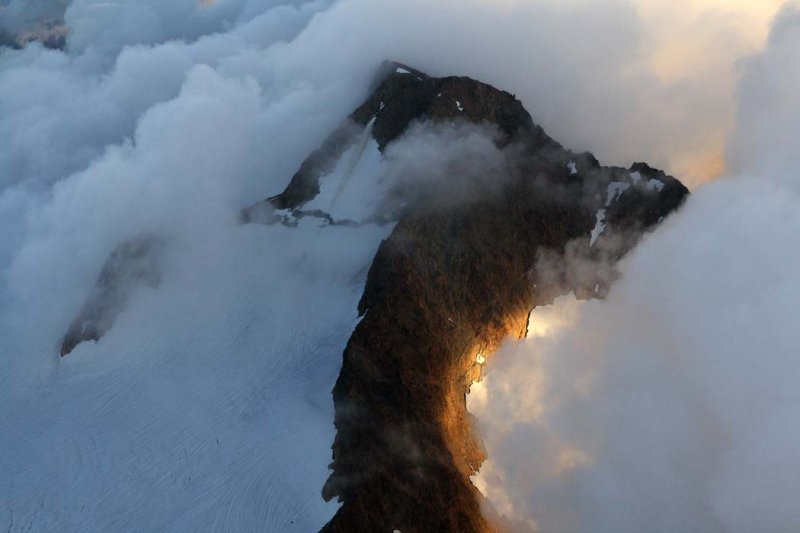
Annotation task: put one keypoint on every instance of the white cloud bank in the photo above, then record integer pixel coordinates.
(207, 406)
(671, 406)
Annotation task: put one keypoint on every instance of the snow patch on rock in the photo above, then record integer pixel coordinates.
(615, 190)
(599, 226)
(572, 167)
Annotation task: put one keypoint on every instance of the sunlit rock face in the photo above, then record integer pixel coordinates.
(475, 247)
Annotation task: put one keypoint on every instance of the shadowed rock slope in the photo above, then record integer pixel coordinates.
(451, 282)
(134, 263)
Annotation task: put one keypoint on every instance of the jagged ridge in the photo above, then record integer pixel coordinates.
(452, 281)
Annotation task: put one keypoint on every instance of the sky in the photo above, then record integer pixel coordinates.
(167, 117)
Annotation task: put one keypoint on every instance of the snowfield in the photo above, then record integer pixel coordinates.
(207, 406)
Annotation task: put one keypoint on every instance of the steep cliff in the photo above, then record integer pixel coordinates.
(452, 281)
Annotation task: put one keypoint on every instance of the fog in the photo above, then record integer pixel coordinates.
(669, 406)
(210, 395)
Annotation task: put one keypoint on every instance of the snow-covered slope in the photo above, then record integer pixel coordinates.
(205, 408)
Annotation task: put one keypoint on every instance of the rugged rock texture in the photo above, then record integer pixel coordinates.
(451, 282)
(132, 264)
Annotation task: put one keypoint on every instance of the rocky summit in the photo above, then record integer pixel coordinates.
(454, 279)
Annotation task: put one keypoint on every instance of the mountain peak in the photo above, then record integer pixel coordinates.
(451, 282)
(402, 96)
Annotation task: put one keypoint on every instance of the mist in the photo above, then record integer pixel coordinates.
(670, 405)
(208, 403)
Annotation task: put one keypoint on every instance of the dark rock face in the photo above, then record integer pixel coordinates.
(132, 264)
(451, 282)
(442, 289)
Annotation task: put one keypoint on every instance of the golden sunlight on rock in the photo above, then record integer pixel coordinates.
(516, 391)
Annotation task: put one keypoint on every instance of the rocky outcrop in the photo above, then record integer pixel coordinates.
(132, 264)
(451, 282)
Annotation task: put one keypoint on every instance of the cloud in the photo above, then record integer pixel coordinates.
(19, 16)
(592, 73)
(767, 115)
(607, 76)
(169, 116)
(669, 406)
